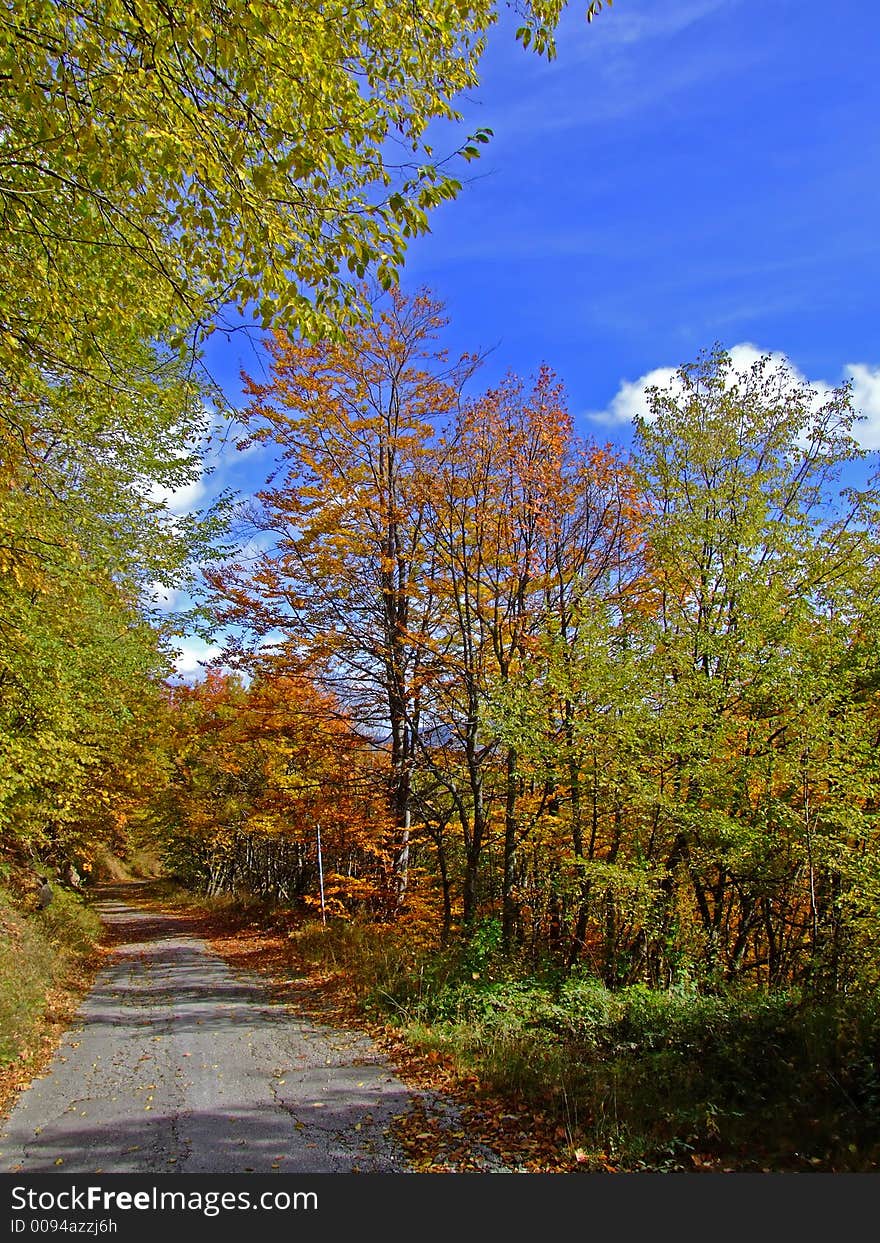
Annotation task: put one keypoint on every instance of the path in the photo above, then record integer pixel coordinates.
(176, 1063)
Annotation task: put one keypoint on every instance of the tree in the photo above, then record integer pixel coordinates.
(83, 539)
(706, 681)
(751, 550)
(346, 579)
(78, 674)
(160, 161)
(256, 772)
(409, 571)
(497, 475)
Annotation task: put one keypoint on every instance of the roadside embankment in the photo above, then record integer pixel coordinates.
(48, 958)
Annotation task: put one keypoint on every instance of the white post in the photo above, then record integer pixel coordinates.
(321, 877)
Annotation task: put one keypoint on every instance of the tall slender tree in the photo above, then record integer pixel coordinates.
(347, 580)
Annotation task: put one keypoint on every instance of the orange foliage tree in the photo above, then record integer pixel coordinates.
(347, 582)
(258, 770)
(418, 541)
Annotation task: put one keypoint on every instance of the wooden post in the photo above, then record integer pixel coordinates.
(321, 877)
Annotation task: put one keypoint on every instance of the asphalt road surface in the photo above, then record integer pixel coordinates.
(177, 1063)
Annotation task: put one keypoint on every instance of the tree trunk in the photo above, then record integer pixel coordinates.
(509, 907)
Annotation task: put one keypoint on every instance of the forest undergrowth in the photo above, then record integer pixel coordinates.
(562, 1073)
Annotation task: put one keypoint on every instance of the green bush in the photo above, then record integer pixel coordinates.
(644, 1076)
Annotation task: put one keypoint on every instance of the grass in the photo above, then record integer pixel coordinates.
(638, 1078)
(45, 961)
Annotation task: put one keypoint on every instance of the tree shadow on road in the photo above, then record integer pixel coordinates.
(337, 1138)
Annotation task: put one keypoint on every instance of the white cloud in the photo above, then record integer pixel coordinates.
(221, 459)
(165, 597)
(184, 499)
(179, 501)
(230, 454)
(631, 399)
(191, 655)
(745, 355)
(273, 640)
(866, 399)
(223, 451)
(657, 22)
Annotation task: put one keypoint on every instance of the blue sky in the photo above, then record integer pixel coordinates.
(685, 172)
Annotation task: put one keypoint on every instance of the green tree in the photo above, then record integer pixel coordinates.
(704, 700)
(752, 549)
(159, 161)
(84, 536)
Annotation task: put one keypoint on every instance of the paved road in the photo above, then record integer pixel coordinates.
(178, 1064)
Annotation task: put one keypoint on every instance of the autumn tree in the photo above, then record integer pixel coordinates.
(749, 547)
(346, 581)
(706, 687)
(523, 519)
(705, 681)
(575, 702)
(628, 705)
(175, 144)
(69, 687)
(496, 474)
(409, 570)
(157, 165)
(257, 773)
